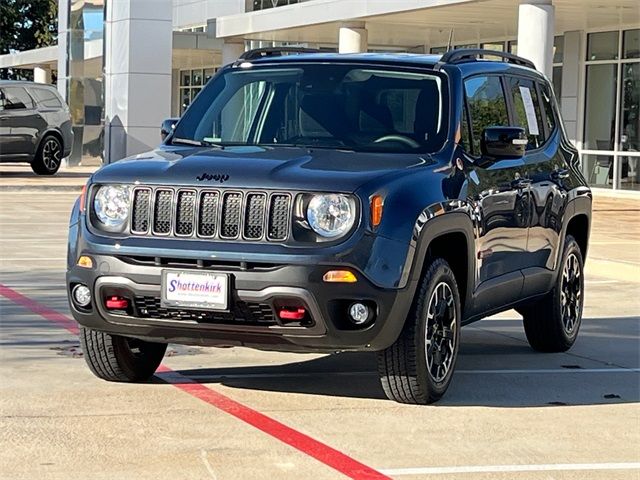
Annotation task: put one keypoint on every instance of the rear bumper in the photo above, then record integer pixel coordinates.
(327, 327)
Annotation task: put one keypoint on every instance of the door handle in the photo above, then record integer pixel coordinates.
(560, 173)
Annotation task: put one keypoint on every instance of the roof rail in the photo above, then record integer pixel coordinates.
(273, 52)
(465, 55)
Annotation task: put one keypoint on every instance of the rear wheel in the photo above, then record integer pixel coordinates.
(552, 324)
(419, 366)
(48, 157)
(120, 359)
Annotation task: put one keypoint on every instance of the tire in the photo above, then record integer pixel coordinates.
(120, 359)
(550, 324)
(408, 373)
(48, 157)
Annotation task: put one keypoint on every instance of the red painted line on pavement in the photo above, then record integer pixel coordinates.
(298, 440)
(38, 308)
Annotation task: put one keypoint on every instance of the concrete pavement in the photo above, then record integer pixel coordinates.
(509, 414)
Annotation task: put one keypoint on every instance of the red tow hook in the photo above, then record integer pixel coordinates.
(116, 303)
(292, 314)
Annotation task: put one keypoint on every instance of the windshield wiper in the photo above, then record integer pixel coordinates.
(196, 143)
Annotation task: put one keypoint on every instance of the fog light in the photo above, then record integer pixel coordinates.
(359, 313)
(81, 295)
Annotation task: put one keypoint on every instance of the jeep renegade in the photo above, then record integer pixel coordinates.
(321, 202)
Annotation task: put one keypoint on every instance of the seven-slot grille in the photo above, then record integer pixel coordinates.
(217, 214)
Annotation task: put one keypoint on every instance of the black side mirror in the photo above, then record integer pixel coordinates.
(503, 142)
(167, 127)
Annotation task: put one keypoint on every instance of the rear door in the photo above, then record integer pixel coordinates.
(496, 190)
(21, 124)
(547, 169)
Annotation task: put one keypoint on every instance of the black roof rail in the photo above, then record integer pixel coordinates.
(257, 53)
(467, 54)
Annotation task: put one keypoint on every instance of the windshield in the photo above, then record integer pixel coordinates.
(321, 106)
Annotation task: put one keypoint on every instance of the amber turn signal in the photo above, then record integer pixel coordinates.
(85, 262)
(339, 276)
(376, 210)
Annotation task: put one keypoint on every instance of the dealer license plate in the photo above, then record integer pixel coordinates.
(195, 290)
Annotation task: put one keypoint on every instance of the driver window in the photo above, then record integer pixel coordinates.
(487, 106)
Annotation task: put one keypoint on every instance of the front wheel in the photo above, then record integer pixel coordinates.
(120, 359)
(419, 366)
(552, 324)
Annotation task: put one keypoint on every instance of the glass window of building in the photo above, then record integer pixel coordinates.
(631, 44)
(598, 170)
(629, 171)
(602, 46)
(612, 110)
(600, 108)
(191, 82)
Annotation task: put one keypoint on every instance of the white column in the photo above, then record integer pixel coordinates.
(138, 36)
(42, 74)
(353, 38)
(536, 22)
(231, 50)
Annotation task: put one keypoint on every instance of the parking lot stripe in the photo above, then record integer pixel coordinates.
(298, 440)
(39, 309)
(549, 467)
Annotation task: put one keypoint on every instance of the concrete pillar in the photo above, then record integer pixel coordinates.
(536, 22)
(137, 65)
(42, 74)
(231, 50)
(571, 79)
(353, 38)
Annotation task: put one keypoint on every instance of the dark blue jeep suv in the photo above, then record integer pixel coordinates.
(314, 201)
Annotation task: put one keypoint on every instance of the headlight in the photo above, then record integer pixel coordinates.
(111, 204)
(331, 215)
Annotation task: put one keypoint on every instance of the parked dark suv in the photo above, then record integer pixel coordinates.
(325, 202)
(35, 126)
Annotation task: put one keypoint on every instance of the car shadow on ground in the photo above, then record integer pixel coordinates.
(496, 368)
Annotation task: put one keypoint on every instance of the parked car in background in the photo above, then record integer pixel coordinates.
(35, 126)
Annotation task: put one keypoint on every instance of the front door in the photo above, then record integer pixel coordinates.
(498, 191)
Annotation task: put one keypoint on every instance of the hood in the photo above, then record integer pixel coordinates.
(257, 167)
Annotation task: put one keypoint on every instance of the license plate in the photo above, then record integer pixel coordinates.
(208, 291)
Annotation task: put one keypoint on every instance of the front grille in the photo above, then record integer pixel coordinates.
(241, 313)
(216, 214)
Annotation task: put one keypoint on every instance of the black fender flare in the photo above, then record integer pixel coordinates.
(425, 232)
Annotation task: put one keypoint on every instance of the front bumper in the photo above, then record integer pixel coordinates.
(327, 327)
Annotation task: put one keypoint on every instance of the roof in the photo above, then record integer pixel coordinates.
(470, 61)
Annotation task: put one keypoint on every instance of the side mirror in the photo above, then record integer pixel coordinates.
(503, 142)
(167, 127)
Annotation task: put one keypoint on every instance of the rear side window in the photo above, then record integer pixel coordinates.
(547, 103)
(526, 110)
(46, 97)
(487, 106)
(15, 98)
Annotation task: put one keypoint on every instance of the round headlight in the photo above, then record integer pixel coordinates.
(111, 204)
(331, 215)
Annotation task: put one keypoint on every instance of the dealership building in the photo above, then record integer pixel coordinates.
(125, 65)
